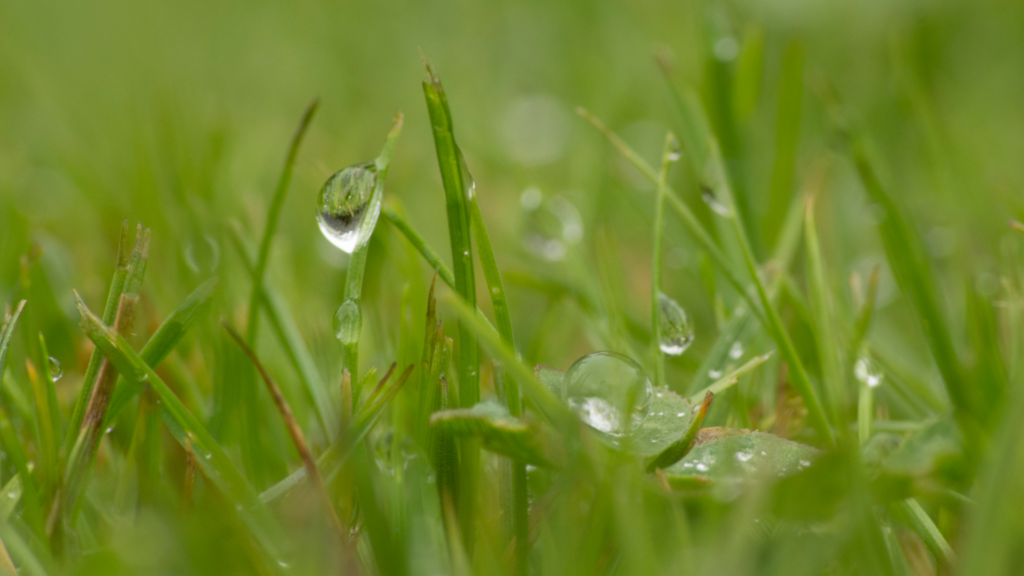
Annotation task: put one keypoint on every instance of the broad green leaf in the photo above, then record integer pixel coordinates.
(735, 456)
(500, 432)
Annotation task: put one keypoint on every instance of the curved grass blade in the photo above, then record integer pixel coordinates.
(357, 263)
(678, 449)
(162, 342)
(396, 216)
(189, 432)
(7, 331)
(121, 270)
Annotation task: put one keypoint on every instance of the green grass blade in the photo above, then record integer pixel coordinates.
(163, 341)
(95, 359)
(189, 432)
(396, 215)
(693, 225)
(671, 148)
(775, 328)
(47, 418)
(357, 263)
(822, 311)
(6, 332)
(910, 265)
(276, 204)
(929, 533)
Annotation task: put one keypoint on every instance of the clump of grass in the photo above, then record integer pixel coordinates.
(465, 456)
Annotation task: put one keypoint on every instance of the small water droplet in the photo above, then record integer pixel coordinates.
(717, 207)
(804, 463)
(714, 374)
(866, 371)
(202, 254)
(13, 495)
(109, 430)
(207, 456)
(609, 391)
(681, 414)
(675, 152)
(676, 331)
(726, 49)
(744, 456)
(736, 350)
(702, 467)
(550, 226)
(342, 205)
(348, 321)
(284, 564)
(55, 370)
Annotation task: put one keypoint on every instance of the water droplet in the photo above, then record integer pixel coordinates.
(726, 49)
(866, 371)
(284, 564)
(736, 350)
(702, 467)
(675, 152)
(348, 321)
(681, 414)
(676, 329)
(717, 207)
(208, 455)
(109, 430)
(804, 463)
(550, 226)
(744, 456)
(714, 374)
(202, 254)
(55, 370)
(342, 205)
(609, 391)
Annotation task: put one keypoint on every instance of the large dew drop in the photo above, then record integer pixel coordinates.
(676, 329)
(342, 205)
(609, 392)
(550, 226)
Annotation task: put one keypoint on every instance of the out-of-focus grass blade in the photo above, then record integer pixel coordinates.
(7, 332)
(9, 497)
(396, 215)
(22, 552)
(95, 359)
(774, 326)
(923, 525)
(690, 220)
(787, 133)
(295, 346)
(189, 432)
(163, 341)
(821, 308)
(729, 379)
(909, 263)
(669, 154)
(32, 508)
(46, 434)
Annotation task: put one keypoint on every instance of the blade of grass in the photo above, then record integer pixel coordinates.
(357, 263)
(670, 149)
(95, 358)
(775, 328)
(298, 438)
(725, 382)
(913, 274)
(396, 215)
(188, 431)
(678, 450)
(7, 331)
(295, 347)
(458, 187)
(822, 311)
(513, 481)
(162, 343)
(923, 525)
(690, 221)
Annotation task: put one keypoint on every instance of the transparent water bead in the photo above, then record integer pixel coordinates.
(348, 321)
(56, 372)
(675, 327)
(736, 350)
(609, 392)
(866, 371)
(342, 205)
(202, 254)
(550, 226)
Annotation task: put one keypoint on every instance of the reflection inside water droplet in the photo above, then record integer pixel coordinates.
(867, 372)
(676, 331)
(342, 205)
(736, 350)
(550, 226)
(202, 254)
(609, 392)
(55, 369)
(714, 374)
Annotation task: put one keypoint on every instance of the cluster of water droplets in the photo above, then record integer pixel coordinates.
(342, 205)
(551, 225)
(609, 392)
(867, 372)
(676, 330)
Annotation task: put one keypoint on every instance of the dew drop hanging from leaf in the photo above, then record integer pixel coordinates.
(867, 372)
(56, 372)
(550, 225)
(342, 205)
(609, 392)
(676, 331)
(348, 321)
